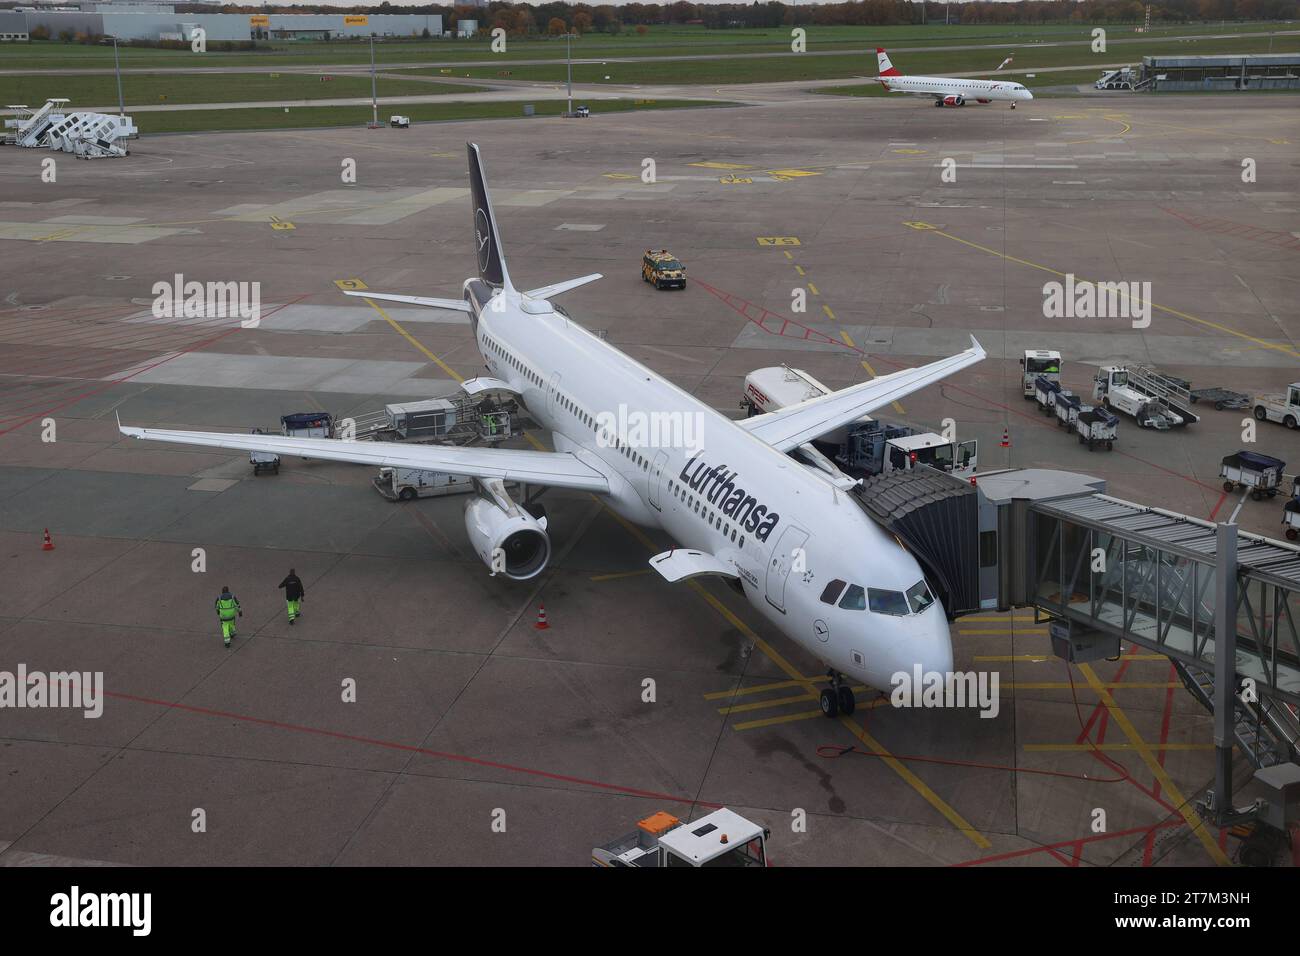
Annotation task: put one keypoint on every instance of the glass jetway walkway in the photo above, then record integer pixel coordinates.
(1103, 571)
(1150, 577)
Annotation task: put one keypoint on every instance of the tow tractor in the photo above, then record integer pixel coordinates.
(1280, 408)
(1152, 399)
(721, 838)
(865, 447)
(663, 269)
(1039, 362)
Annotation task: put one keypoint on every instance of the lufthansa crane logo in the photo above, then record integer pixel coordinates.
(482, 239)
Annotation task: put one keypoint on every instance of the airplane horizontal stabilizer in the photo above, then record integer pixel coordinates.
(546, 291)
(455, 305)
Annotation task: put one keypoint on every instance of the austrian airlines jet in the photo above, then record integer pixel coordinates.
(784, 532)
(948, 91)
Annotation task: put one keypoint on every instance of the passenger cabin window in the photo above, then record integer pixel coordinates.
(832, 591)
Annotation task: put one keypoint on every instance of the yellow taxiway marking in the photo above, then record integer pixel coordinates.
(811, 287)
(733, 180)
(792, 173)
(801, 715)
(788, 256)
(622, 574)
(760, 688)
(1066, 685)
(619, 176)
(278, 223)
(410, 338)
(1160, 308)
(1054, 748)
(721, 165)
(829, 314)
(909, 152)
(1143, 749)
(777, 240)
(351, 285)
(790, 671)
(984, 632)
(799, 269)
(999, 618)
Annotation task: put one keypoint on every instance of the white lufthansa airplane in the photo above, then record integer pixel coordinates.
(948, 91)
(782, 532)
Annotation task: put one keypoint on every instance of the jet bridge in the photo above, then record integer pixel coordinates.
(1222, 605)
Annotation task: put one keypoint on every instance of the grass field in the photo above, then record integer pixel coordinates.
(660, 41)
(140, 89)
(796, 67)
(258, 118)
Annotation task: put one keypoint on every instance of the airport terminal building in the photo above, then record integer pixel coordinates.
(162, 23)
(1188, 74)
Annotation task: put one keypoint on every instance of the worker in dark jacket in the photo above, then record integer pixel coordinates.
(227, 610)
(293, 592)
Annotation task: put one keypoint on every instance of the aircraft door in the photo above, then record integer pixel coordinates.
(656, 479)
(553, 394)
(788, 555)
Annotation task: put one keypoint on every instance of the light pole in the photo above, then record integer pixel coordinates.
(568, 55)
(374, 96)
(117, 68)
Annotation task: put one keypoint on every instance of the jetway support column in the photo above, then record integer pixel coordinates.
(1225, 671)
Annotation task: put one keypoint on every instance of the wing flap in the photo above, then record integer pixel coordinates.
(790, 427)
(552, 469)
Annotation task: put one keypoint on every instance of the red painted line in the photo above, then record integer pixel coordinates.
(1218, 504)
(410, 748)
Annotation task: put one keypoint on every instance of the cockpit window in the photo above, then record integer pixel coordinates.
(832, 591)
(887, 602)
(919, 596)
(854, 598)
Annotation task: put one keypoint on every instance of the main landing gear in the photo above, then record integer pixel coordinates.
(838, 698)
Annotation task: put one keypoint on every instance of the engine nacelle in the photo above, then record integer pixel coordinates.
(956, 99)
(509, 540)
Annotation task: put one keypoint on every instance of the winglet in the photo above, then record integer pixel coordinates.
(979, 349)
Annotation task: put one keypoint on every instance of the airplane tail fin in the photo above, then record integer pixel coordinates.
(885, 68)
(487, 240)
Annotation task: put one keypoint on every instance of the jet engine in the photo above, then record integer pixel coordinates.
(508, 539)
(955, 99)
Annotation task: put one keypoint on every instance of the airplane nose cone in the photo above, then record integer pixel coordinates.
(921, 640)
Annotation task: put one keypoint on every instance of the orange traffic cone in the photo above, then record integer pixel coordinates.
(1006, 437)
(49, 544)
(541, 624)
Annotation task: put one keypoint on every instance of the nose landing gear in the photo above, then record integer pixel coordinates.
(838, 698)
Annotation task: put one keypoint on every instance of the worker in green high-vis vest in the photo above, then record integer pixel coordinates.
(227, 610)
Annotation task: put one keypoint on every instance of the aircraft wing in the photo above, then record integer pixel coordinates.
(549, 468)
(790, 427)
(452, 305)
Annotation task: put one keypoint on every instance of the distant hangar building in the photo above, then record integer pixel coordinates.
(160, 22)
(1254, 71)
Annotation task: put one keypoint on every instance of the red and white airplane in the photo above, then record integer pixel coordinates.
(949, 91)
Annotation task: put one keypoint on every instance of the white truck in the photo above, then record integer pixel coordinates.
(720, 838)
(399, 122)
(864, 447)
(1280, 408)
(1036, 362)
(407, 484)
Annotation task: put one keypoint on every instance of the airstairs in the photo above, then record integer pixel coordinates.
(30, 126)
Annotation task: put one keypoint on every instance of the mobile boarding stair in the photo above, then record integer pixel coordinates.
(31, 126)
(1174, 393)
(92, 135)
